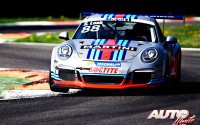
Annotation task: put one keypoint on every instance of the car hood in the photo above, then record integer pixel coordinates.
(108, 49)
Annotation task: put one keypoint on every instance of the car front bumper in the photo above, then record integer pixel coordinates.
(105, 81)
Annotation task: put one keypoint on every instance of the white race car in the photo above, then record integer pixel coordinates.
(116, 51)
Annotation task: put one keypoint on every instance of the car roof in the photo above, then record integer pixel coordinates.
(120, 17)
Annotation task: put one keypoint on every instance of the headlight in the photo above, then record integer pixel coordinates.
(64, 52)
(149, 55)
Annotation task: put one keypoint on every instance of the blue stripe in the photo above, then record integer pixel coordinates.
(120, 42)
(88, 55)
(90, 50)
(103, 41)
(122, 51)
(110, 16)
(100, 54)
(105, 16)
(96, 55)
(133, 16)
(116, 52)
(125, 43)
(120, 55)
(128, 16)
(57, 78)
(53, 74)
(124, 54)
(111, 55)
(93, 50)
(136, 16)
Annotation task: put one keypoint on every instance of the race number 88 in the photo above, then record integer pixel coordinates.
(93, 28)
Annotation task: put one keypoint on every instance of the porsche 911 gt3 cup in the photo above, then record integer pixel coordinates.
(116, 51)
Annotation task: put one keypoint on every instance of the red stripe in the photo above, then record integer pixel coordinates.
(119, 15)
(107, 52)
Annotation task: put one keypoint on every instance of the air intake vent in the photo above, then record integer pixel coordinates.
(141, 77)
(66, 74)
(103, 79)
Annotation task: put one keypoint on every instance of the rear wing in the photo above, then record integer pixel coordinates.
(171, 17)
(155, 16)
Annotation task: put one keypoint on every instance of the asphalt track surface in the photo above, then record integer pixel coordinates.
(96, 107)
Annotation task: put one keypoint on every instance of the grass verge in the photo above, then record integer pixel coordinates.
(45, 38)
(7, 83)
(187, 35)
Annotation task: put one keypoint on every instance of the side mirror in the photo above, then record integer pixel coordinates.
(64, 35)
(171, 39)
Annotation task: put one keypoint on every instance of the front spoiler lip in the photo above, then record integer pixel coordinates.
(81, 85)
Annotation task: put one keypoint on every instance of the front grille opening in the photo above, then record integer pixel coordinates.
(103, 79)
(66, 74)
(141, 77)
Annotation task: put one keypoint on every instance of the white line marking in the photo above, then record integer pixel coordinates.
(190, 49)
(19, 94)
(4, 68)
(2, 41)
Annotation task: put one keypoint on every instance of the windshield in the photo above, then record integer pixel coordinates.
(116, 30)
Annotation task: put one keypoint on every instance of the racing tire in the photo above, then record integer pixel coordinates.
(55, 89)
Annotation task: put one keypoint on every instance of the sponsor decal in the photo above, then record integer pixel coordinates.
(119, 17)
(108, 64)
(181, 116)
(102, 49)
(93, 23)
(104, 70)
